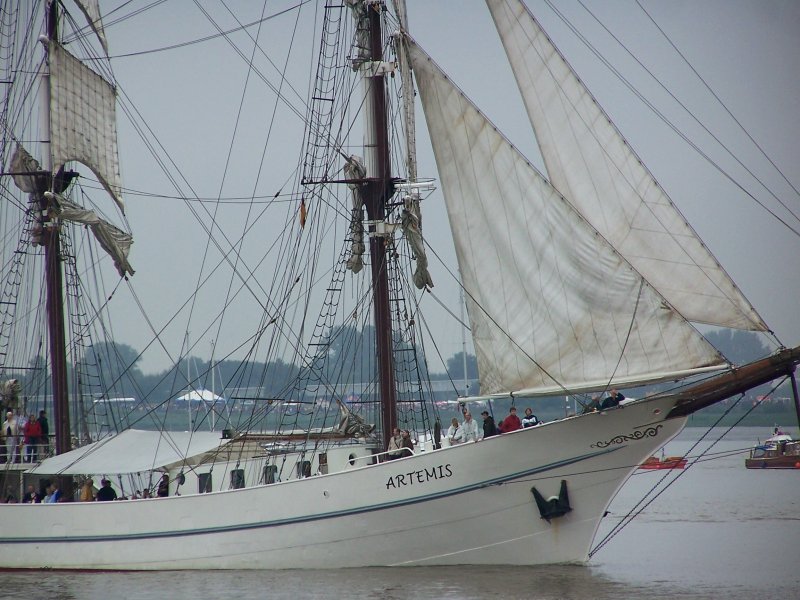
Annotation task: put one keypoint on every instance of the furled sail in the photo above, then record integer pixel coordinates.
(354, 170)
(83, 124)
(113, 240)
(552, 305)
(590, 163)
(27, 172)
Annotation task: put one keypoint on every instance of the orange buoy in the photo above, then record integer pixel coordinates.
(797, 465)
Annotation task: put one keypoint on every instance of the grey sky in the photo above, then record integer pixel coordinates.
(747, 51)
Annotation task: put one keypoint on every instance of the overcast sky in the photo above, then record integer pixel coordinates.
(747, 53)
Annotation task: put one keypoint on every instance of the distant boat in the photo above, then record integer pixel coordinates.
(778, 452)
(665, 462)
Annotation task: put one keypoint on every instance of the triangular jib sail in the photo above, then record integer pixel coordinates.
(590, 163)
(551, 303)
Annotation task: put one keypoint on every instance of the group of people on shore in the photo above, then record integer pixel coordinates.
(24, 438)
(467, 431)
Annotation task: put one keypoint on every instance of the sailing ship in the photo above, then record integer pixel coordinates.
(577, 282)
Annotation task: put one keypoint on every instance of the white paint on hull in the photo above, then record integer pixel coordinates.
(470, 504)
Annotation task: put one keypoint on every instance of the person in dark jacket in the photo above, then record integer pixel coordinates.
(407, 443)
(31, 496)
(530, 419)
(106, 493)
(163, 486)
(489, 428)
(613, 399)
(44, 440)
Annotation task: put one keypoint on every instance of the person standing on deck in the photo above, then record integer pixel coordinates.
(45, 439)
(407, 443)
(455, 434)
(395, 444)
(87, 491)
(32, 432)
(470, 428)
(163, 486)
(614, 399)
(11, 431)
(54, 494)
(106, 493)
(511, 422)
(489, 428)
(530, 419)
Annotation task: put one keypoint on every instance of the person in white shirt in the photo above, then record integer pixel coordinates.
(11, 432)
(470, 428)
(395, 445)
(455, 434)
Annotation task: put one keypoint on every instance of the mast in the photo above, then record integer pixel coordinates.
(54, 282)
(463, 342)
(378, 191)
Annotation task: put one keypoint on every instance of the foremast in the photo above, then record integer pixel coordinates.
(378, 190)
(51, 237)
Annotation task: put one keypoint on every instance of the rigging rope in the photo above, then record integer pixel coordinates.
(640, 506)
(670, 124)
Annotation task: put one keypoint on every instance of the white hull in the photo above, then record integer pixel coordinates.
(470, 504)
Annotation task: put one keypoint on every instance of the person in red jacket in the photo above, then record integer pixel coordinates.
(511, 422)
(32, 432)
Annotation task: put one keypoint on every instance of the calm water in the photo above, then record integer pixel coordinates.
(719, 531)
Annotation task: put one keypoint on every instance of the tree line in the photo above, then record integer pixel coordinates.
(112, 369)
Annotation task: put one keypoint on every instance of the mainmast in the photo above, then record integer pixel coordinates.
(378, 190)
(54, 281)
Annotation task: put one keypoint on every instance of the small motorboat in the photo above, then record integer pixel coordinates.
(665, 462)
(778, 452)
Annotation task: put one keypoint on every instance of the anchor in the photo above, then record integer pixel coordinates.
(556, 506)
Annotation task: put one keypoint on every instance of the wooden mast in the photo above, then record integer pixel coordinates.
(378, 191)
(54, 285)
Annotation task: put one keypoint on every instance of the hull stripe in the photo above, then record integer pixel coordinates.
(307, 518)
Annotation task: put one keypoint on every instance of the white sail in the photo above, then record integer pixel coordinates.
(83, 119)
(551, 303)
(91, 10)
(590, 163)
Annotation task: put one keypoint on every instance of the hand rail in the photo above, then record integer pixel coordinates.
(402, 450)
